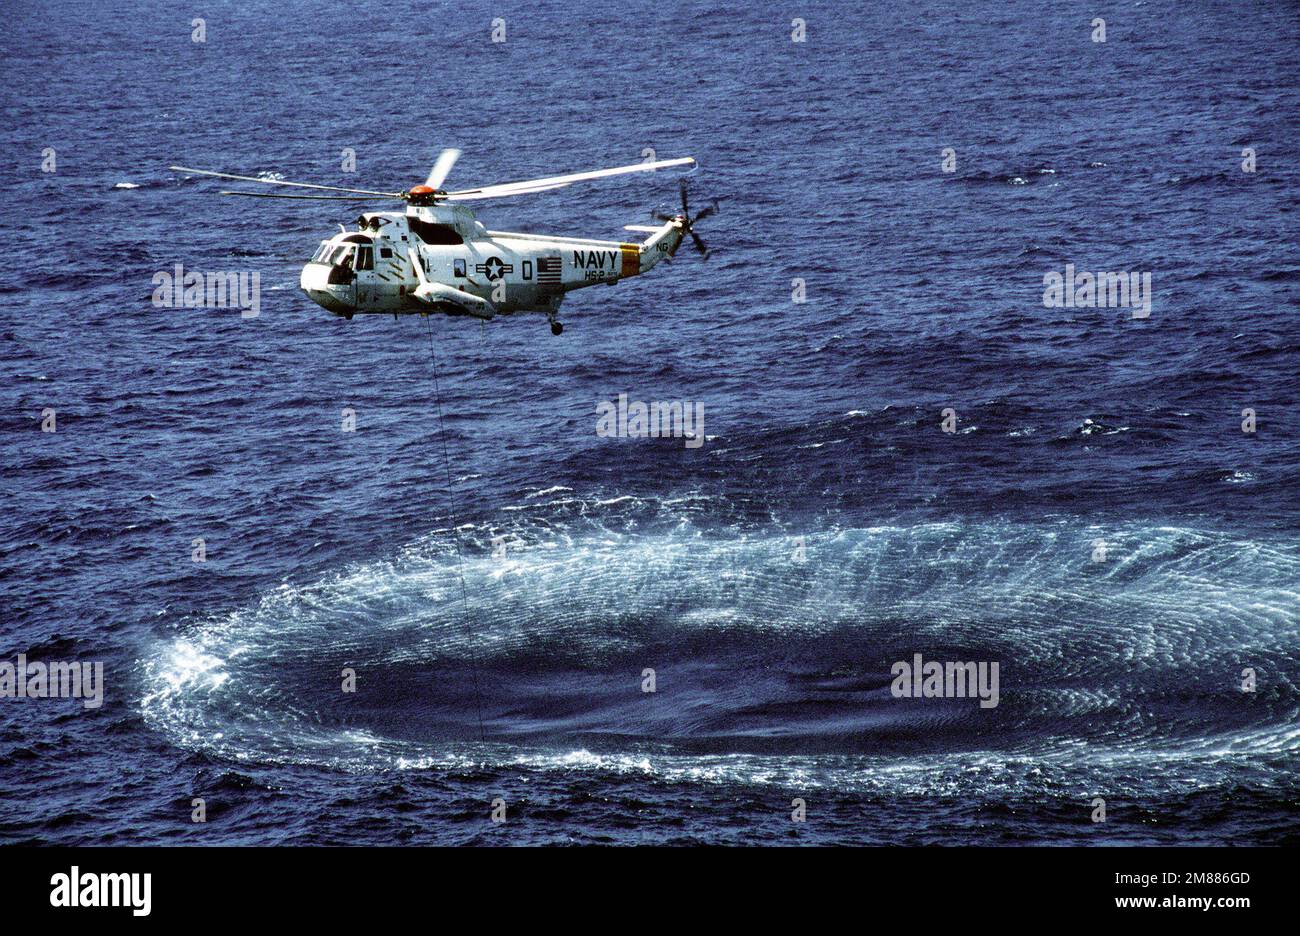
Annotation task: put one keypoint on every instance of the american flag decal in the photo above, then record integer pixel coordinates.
(549, 270)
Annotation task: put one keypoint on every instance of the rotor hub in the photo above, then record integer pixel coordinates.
(424, 195)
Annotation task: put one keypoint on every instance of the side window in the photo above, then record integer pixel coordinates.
(460, 267)
(528, 269)
(386, 252)
(365, 258)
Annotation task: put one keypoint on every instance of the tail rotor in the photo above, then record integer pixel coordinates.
(687, 222)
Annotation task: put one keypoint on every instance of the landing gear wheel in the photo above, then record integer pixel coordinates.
(556, 328)
(347, 316)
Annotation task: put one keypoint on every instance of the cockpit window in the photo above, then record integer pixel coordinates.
(360, 257)
(340, 255)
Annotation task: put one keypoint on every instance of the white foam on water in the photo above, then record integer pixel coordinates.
(1167, 603)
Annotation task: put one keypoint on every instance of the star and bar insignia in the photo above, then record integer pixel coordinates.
(494, 269)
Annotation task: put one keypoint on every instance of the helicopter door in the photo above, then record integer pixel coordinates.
(367, 282)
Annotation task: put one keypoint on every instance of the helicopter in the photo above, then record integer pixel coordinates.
(437, 257)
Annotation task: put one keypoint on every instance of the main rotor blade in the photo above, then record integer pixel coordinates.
(503, 191)
(541, 185)
(351, 198)
(699, 244)
(310, 185)
(438, 174)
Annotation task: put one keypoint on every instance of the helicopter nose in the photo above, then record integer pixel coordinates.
(315, 283)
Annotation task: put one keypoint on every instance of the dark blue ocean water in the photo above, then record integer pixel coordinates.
(328, 550)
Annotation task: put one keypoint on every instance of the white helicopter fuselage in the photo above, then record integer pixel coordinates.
(465, 269)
